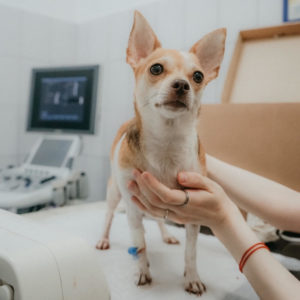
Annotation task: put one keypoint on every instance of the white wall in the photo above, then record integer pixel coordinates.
(27, 40)
(61, 9)
(91, 9)
(34, 40)
(75, 11)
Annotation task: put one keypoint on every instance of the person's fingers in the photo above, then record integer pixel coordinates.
(194, 180)
(138, 203)
(139, 199)
(154, 211)
(172, 216)
(161, 198)
(134, 188)
(157, 212)
(150, 196)
(144, 201)
(171, 199)
(165, 194)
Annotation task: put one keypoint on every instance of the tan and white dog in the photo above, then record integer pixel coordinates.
(162, 138)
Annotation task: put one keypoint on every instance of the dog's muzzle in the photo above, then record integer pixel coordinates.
(178, 95)
(180, 87)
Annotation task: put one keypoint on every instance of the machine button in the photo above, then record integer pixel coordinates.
(47, 179)
(28, 181)
(6, 292)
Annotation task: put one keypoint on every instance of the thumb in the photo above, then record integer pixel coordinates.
(193, 180)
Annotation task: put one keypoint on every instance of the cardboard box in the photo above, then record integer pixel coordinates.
(263, 138)
(265, 66)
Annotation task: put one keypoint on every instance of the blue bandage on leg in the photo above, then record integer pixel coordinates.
(133, 251)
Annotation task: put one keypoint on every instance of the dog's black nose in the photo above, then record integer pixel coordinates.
(180, 86)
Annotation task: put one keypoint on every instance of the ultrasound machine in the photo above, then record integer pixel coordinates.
(62, 106)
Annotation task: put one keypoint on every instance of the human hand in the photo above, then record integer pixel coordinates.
(208, 205)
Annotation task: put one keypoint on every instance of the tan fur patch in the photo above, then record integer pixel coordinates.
(202, 158)
(130, 150)
(120, 133)
(130, 155)
(127, 158)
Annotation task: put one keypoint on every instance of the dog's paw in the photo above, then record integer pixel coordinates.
(169, 239)
(194, 285)
(103, 244)
(144, 278)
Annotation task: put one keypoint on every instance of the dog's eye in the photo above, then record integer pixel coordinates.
(198, 76)
(156, 69)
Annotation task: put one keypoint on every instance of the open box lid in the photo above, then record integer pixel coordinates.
(265, 66)
(248, 129)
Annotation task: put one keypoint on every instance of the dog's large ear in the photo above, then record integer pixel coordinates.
(142, 40)
(210, 52)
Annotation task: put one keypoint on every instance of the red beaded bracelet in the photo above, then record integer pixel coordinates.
(249, 252)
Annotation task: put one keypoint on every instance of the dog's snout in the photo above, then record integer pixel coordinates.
(180, 86)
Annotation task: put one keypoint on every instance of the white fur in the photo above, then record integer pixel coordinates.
(168, 136)
(170, 144)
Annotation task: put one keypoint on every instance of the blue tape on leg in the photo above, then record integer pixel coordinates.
(133, 251)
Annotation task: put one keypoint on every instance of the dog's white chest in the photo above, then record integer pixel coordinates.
(166, 159)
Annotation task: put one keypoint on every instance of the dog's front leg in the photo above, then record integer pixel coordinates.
(192, 282)
(135, 220)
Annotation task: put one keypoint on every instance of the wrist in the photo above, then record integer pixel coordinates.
(235, 233)
(229, 214)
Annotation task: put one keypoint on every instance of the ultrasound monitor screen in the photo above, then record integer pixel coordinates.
(63, 99)
(51, 153)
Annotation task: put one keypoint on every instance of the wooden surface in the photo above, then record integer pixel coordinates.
(262, 138)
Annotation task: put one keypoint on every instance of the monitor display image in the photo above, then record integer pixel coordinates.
(51, 153)
(63, 99)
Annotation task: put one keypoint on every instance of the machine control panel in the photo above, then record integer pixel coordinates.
(45, 173)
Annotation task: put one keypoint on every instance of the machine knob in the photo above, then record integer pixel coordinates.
(27, 181)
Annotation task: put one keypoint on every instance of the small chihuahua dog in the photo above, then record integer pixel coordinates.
(162, 138)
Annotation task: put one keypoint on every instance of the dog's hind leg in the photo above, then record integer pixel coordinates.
(113, 198)
(166, 236)
(192, 282)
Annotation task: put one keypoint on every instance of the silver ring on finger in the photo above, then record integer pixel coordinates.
(166, 214)
(187, 198)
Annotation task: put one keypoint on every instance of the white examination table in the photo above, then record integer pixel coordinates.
(216, 267)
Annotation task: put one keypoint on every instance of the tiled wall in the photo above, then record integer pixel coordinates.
(27, 40)
(31, 40)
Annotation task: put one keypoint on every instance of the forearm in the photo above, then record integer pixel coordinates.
(267, 199)
(267, 276)
(209, 205)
